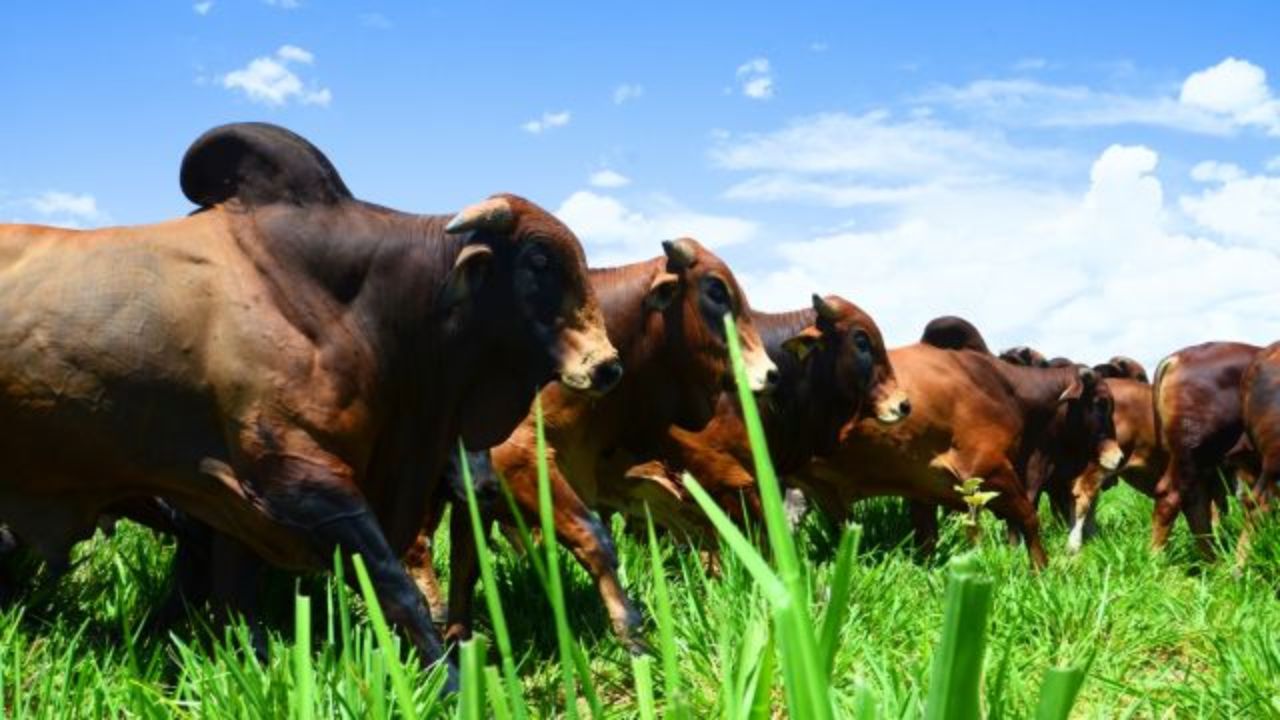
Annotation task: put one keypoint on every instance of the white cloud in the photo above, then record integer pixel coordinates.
(271, 81)
(1086, 275)
(755, 77)
(546, 122)
(203, 8)
(627, 91)
(607, 178)
(1235, 89)
(841, 160)
(54, 207)
(1214, 171)
(1242, 209)
(614, 233)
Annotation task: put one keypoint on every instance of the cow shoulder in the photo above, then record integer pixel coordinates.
(258, 164)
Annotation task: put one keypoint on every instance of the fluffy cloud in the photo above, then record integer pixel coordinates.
(54, 207)
(627, 91)
(608, 179)
(755, 77)
(1234, 89)
(203, 8)
(548, 121)
(271, 80)
(614, 233)
(1239, 208)
(1086, 275)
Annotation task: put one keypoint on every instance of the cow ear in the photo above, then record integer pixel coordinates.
(804, 342)
(662, 292)
(466, 277)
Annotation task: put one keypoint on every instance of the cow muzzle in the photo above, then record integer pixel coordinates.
(762, 374)
(589, 362)
(894, 408)
(1110, 456)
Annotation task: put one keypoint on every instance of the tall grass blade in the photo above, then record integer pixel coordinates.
(675, 704)
(641, 668)
(303, 675)
(838, 604)
(1058, 692)
(471, 682)
(493, 601)
(957, 663)
(390, 652)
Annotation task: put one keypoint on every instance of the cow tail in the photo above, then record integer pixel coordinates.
(1157, 397)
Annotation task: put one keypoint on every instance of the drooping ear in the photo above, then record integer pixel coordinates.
(493, 214)
(662, 292)
(803, 342)
(466, 277)
(1109, 370)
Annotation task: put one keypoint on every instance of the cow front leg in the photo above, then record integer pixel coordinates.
(1013, 506)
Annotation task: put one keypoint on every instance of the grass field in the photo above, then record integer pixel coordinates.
(1166, 640)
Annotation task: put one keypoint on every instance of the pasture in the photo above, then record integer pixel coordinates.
(1164, 636)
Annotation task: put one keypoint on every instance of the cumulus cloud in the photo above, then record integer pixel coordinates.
(607, 178)
(755, 78)
(272, 81)
(614, 233)
(627, 91)
(1234, 89)
(1242, 209)
(548, 121)
(203, 8)
(63, 203)
(1085, 275)
(54, 207)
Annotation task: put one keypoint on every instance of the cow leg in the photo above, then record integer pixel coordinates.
(464, 571)
(420, 562)
(578, 529)
(1256, 501)
(1085, 491)
(924, 521)
(1013, 506)
(1196, 502)
(1168, 503)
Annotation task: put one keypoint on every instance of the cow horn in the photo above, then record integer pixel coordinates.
(825, 310)
(680, 254)
(492, 214)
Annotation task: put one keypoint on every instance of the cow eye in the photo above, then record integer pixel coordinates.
(717, 292)
(862, 342)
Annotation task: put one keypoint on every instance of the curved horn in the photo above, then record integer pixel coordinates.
(825, 310)
(492, 214)
(681, 255)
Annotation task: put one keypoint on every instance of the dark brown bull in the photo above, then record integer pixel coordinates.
(1199, 421)
(665, 316)
(832, 368)
(972, 416)
(1260, 406)
(289, 364)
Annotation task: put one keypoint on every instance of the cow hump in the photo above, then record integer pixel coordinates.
(258, 164)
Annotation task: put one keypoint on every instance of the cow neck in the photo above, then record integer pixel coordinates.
(1037, 391)
(795, 414)
(621, 292)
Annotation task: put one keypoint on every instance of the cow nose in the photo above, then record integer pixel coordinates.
(771, 379)
(904, 407)
(606, 376)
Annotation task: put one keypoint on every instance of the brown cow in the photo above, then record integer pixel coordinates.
(665, 316)
(832, 366)
(288, 364)
(1260, 406)
(1122, 367)
(973, 416)
(1198, 421)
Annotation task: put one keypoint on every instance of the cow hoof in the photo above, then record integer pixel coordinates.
(637, 645)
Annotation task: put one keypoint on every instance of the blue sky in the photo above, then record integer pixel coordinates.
(1096, 179)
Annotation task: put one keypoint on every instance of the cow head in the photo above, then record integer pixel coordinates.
(690, 297)
(1089, 423)
(846, 363)
(522, 275)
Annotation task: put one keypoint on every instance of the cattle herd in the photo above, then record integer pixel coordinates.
(287, 372)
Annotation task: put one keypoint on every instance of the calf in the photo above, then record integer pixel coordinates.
(972, 416)
(665, 316)
(1198, 421)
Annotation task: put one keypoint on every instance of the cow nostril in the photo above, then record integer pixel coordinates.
(904, 408)
(606, 376)
(772, 377)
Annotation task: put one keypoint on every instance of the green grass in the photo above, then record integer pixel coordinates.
(831, 622)
(1163, 636)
